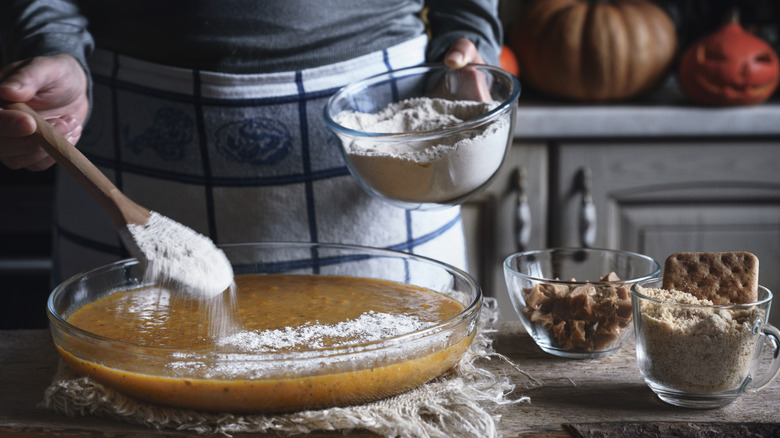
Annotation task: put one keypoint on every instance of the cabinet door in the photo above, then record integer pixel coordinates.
(491, 219)
(662, 198)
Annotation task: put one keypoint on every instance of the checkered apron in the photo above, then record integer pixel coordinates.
(239, 158)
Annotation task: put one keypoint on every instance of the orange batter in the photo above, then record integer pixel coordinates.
(206, 381)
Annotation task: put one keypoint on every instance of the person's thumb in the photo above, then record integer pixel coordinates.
(19, 82)
(462, 53)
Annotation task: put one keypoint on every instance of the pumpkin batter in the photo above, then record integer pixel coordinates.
(195, 370)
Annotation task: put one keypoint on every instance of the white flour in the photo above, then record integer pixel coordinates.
(272, 353)
(437, 170)
(178, 257)
(368, 327)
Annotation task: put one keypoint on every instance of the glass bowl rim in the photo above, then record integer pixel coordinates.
(646, 277)
(640, 295)
(506, 105)
(469, 312)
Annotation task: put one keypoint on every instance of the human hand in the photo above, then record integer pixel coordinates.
(56, 87)
(462, 53)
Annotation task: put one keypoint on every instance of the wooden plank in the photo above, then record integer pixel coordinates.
(605, 390)
(690, 430)
(567, 397)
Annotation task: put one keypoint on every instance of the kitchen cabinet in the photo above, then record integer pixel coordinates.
(655, 177)
(656, 197)
(510, 214)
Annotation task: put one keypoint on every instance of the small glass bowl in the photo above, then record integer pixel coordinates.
(564, 303)
(275, 381)
(471, 152)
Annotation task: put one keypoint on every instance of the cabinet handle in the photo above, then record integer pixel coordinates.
(587, 210)
(522, 210)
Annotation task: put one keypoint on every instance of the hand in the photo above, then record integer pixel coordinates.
(462, 53)
(56, 87)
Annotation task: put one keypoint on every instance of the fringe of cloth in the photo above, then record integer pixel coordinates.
(455, 404)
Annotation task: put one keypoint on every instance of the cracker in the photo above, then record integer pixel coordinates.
(721, 277)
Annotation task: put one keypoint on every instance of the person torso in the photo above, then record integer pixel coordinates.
(251, 36)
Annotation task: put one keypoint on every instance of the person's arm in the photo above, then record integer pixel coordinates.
(30, 28)
(474, 20)
(44, 46)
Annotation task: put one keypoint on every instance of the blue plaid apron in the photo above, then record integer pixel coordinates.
(239, 158)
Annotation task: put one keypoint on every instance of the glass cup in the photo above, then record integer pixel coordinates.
(703, 356)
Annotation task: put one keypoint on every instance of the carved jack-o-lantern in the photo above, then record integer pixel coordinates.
(729, 67)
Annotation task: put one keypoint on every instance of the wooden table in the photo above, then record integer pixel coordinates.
(599, 397)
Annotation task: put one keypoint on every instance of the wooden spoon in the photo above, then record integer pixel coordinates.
(175, 255)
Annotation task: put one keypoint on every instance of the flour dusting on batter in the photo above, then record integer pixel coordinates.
(368, 327)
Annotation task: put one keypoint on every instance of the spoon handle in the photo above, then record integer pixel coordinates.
(121, 209)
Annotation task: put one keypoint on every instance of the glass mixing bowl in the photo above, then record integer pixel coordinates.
(568, 306)
(275, 381)
(427, 168)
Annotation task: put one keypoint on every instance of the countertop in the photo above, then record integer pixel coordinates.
(597, 397)
(663, 113)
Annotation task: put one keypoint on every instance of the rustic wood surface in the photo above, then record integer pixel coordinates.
(609, 396)
(568, 398)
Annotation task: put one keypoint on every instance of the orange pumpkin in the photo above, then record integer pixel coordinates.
(508, 61)
(729, 67)
(594, 50)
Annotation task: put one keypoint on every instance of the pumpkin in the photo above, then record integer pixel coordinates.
(594, 50)
(729, 67)
(508, 61)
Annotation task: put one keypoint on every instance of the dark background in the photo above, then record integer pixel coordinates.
(696, 18)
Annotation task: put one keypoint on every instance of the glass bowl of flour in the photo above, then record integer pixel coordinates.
(426, 137)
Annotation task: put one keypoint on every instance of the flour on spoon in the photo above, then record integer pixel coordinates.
(178, 257)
